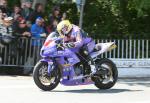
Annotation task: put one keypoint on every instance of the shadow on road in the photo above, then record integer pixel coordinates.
(98, 91)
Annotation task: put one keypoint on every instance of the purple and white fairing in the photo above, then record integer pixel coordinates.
(49, 51)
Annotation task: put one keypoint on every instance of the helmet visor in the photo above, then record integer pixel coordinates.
(64, 30)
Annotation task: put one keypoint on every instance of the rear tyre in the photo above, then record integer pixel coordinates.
(107, 80)
(43, 80)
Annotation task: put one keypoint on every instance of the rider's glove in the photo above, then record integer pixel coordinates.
(60, 47)
(69, 45)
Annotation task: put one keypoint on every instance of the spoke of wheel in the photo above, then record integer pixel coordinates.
(109, 77)
(104, 67)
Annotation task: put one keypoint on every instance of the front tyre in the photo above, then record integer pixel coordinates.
(106, 75)
(44, 80)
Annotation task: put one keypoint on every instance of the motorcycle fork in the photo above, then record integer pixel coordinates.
(51, 65)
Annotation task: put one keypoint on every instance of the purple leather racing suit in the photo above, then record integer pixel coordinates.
(77, 38)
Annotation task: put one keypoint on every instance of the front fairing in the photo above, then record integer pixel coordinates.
(49, 46)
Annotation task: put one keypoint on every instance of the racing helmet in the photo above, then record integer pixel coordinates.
(64, 27)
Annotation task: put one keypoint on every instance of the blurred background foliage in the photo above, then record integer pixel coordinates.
(108, 18)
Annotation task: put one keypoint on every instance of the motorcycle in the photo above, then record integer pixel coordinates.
(49, 72)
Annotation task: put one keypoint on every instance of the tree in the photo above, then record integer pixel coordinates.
(108, 18)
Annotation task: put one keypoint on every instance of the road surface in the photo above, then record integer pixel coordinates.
(21, 89)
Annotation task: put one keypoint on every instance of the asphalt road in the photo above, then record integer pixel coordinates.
(20, 89)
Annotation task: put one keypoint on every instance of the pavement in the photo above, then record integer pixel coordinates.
(21, 89)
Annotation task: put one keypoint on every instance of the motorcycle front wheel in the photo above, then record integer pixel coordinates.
(106, 75)
(44, 80)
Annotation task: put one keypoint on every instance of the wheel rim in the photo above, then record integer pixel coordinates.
(45, 78)
(106, 78)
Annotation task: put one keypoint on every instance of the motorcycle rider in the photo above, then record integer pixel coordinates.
(73, 39)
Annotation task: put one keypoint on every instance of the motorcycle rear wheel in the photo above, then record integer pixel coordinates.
(111, 78)
(43, 80)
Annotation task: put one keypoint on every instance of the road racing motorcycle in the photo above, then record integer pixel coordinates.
(49, 72)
